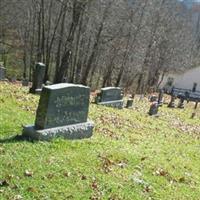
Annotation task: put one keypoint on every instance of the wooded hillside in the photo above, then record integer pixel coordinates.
(127, 43)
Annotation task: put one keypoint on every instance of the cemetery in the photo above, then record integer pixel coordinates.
(100, 100)
(124, 149)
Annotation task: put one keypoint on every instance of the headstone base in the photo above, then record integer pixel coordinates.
(115, 104)
(75, 131)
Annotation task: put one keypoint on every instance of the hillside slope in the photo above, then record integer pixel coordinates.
(130, 156)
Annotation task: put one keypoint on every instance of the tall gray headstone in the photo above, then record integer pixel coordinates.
(38, 78)
(110, 96)
(62, 111)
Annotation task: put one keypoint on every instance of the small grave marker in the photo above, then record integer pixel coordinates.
(181, 103)
(153, 98)
(195, 110)
(129, 103)
(172, 102)
(160, 97)
(153, 109)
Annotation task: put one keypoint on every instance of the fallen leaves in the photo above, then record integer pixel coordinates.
(187, 179)
(67, 174)
(18, 197)
(138, 179)
(97, 191)
(107, 164)
(164, 173)
(31, 189)
(112, 119)
(4, 183)
(109, 133)
(161, 172)
(83, 177)
(28, 173)
(181, 180)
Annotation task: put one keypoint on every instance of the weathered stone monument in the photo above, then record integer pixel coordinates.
(110, 96)
(172, 102)
(153, 109)
(38, 78)
(129, 103)
(2, 72)
(181, 103)
(153, 98)
(160, 97)
(62, 112)
(194, 110)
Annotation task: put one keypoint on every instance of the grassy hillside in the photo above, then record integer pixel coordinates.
(130, 156)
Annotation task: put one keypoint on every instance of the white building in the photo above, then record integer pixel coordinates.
(186, 80)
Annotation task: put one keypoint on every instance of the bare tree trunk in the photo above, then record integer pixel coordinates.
(62, 69)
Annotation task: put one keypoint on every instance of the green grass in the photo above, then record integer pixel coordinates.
(130, 156)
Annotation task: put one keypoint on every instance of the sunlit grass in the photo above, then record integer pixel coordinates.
(130, 156)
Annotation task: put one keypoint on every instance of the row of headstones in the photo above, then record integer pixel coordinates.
(38, 77)
(63, 111)
(63, 108)
(181, 105)
(110, 96)
(158, 102)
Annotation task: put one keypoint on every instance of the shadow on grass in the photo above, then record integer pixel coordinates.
(17, 138)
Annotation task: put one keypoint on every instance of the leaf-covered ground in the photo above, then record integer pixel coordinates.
(130, 156)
